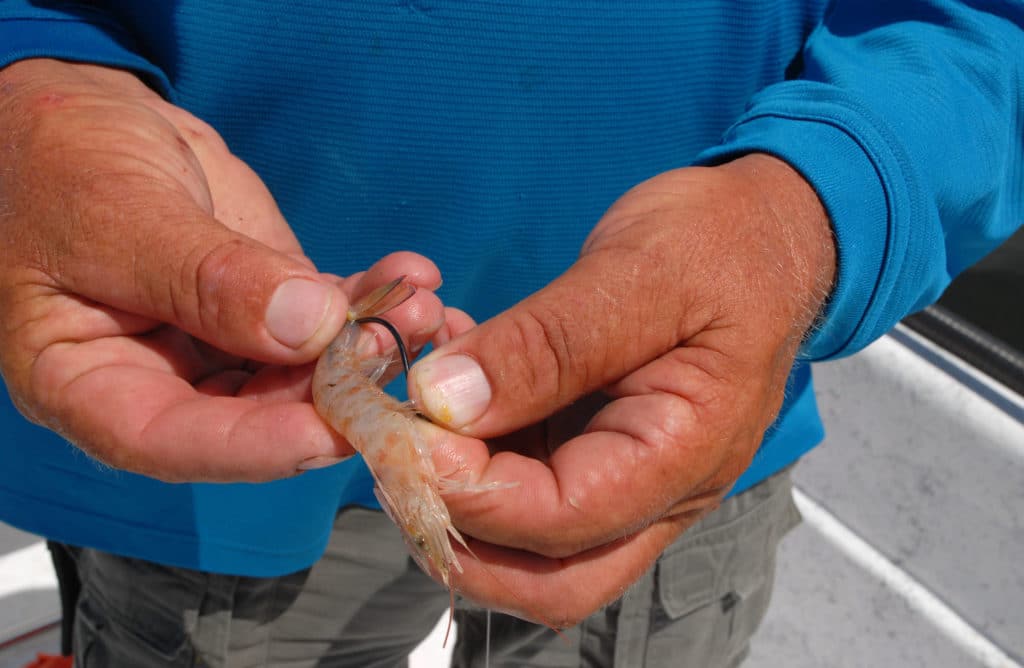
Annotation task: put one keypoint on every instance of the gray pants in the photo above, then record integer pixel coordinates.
(366, 604)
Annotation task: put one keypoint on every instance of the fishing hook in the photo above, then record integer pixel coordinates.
(394, 333)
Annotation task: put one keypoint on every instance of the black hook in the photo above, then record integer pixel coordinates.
(394, 332)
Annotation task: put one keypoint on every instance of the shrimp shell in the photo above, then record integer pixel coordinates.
(391, 438)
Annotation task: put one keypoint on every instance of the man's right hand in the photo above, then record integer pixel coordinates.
(155, 308)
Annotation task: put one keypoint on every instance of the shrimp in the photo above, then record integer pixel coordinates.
(391, 437)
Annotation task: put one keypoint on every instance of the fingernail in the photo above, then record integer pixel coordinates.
(296, 311)
(318, 462)
(452, 389)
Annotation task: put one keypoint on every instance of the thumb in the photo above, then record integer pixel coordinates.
(181, 266)
(591, 326)
(110, 202)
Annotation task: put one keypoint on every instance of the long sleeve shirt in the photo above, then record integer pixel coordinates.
(490, 137)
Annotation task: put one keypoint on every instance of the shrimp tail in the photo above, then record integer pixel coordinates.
(370, 307)
(381, 300)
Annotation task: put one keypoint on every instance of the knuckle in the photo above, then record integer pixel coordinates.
(661, 423)
(195, 131)
(557, 366)
(673, 425)
(210, 272)
(199, 132)
(525, 333)
(562, 540)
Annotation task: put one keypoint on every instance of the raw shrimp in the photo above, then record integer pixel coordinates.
(391, 437)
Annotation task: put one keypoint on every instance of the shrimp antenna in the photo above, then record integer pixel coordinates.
(394, 333)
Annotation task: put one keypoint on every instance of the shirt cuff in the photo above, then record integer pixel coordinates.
(851, 165)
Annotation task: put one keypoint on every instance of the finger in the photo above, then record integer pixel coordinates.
(153, 251)
(167, 429)
(583, 331)
(596, 488)
(418, 338)
(417, 321)
(186, 269)
(456, 322)
(675, 445)
(559, 593)
(419, 317)
(416, 269)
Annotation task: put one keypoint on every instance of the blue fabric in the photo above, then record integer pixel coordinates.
(908, 119)
(490, 136)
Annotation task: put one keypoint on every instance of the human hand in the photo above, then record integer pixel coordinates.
(678, 325)
(158, 312)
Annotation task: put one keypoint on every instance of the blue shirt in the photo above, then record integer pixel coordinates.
(490, 137)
